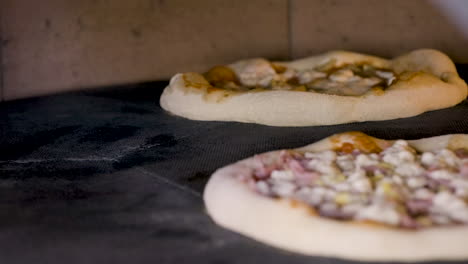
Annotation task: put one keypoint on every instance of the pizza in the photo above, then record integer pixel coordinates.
(332, 88)
(351, 196)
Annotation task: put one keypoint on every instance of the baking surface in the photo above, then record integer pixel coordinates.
(107, 176)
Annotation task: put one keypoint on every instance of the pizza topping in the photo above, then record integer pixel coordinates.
(346, 80)
(254, 72)
(307, 76)
(342, 76)
(222, 76)
(387, 75)
(461, 153)
(349, 80)
(396, 186)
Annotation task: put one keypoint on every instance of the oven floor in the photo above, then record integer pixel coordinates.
(107, 176)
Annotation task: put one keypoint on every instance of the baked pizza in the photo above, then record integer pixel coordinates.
(332, 88)
(351, 196)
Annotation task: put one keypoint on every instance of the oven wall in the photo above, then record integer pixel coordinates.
(385, 28)
(60, 45)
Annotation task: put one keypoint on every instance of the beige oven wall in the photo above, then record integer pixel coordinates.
(384, 28)
(59, 45)
(53, 46)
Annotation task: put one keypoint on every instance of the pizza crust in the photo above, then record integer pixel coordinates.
(234, 206)
(433, 84)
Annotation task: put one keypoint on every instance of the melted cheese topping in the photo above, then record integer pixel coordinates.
(395, 186)
(346, 80)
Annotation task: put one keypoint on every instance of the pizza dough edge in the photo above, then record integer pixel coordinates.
(286, 108)
(232, 205)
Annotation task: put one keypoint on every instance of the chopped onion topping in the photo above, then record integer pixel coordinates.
(397, 187)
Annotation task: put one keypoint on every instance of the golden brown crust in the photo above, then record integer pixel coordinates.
(349, 141)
